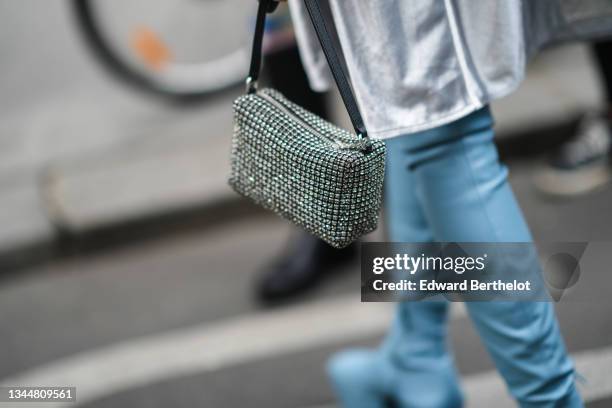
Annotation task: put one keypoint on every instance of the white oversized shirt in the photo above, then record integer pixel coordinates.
(418, 64)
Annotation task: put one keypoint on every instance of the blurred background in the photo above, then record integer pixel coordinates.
(127, 264)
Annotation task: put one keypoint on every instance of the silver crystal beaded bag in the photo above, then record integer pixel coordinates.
(286, 159)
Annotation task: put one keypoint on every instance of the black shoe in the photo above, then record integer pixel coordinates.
(300, 267)
(581, 164)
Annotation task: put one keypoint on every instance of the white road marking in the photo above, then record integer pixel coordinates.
(142, 361)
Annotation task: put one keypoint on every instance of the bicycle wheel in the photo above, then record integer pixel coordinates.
(182, 49)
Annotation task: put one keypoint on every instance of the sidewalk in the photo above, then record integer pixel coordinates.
(94, 156)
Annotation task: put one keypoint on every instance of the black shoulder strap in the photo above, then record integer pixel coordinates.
(333, 59)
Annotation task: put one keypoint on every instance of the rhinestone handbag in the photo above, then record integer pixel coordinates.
(322, 178)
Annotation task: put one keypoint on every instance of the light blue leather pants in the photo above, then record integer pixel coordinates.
(447, 184)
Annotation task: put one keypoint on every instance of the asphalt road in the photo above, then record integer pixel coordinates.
(173, 321)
